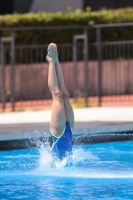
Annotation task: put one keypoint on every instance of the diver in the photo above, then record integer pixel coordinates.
(62, 116)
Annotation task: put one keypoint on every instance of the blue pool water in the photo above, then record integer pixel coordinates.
(96, 171)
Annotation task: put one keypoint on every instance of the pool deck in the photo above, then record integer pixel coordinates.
(31, 124)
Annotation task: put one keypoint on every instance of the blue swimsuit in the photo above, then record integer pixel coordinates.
(62, 145)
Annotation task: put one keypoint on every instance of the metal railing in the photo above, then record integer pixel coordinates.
(109, 71)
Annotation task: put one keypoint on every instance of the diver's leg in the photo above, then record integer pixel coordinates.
(58, 117)
(65, 95)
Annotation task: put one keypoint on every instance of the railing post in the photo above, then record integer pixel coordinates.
(3, 89)
(75, 68)
(12, 55)
(85, 52)
(13, 71)
(99, 64)
(86, 66)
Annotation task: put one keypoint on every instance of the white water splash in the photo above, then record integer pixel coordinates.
(81, 164)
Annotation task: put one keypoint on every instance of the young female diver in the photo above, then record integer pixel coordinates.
(62, 116)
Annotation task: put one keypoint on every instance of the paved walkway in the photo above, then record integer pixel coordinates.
(91, 119)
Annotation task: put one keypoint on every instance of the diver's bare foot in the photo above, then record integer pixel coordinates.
(52, 53)
(49, 59)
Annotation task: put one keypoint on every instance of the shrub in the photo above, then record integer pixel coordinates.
(77, 17)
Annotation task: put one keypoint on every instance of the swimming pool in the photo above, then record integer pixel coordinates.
(95, 171)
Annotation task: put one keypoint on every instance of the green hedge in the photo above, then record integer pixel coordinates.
(77, 17)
